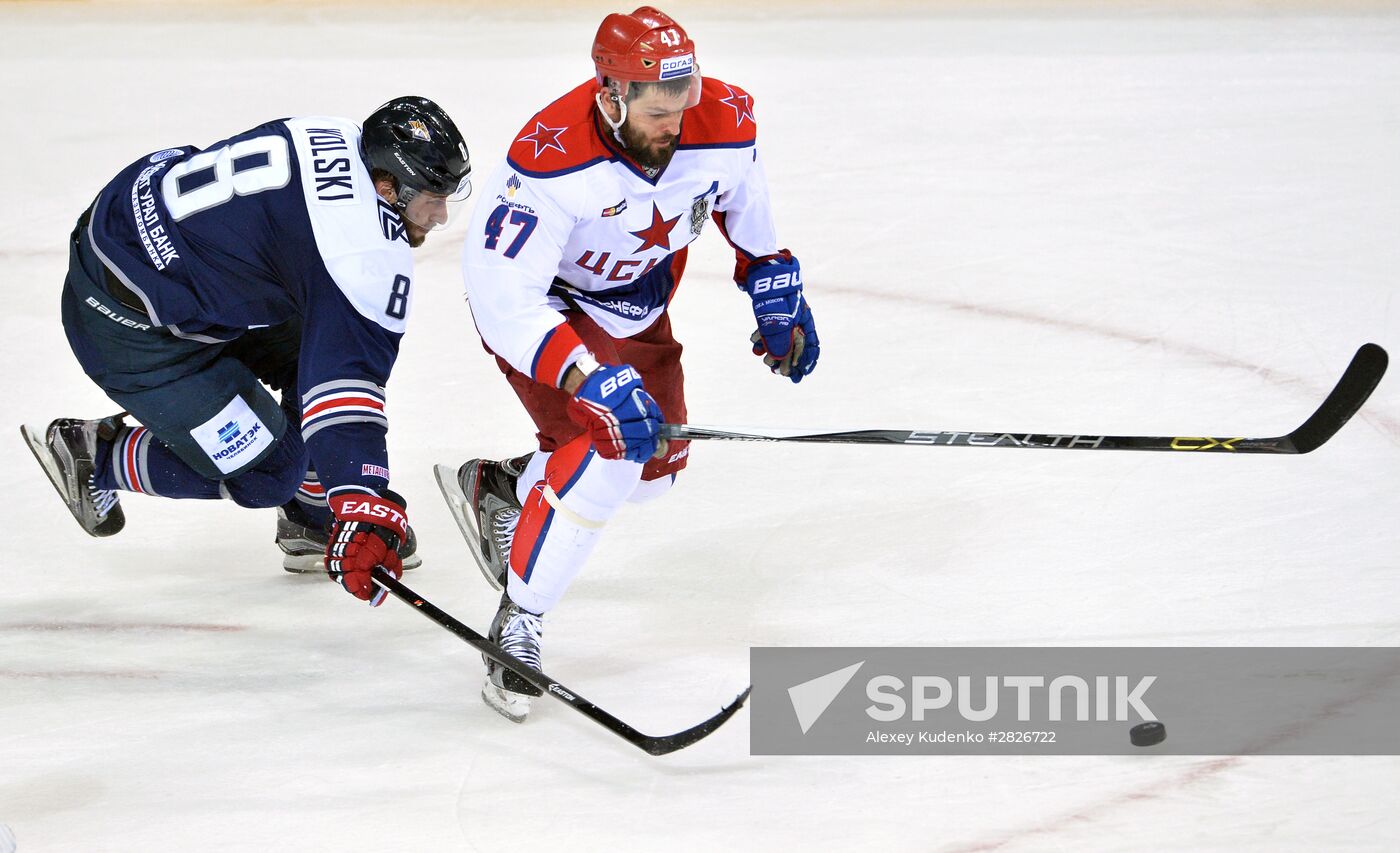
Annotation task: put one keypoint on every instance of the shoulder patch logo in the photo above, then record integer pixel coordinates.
(700, 209)
(615, 209)
(740, 104)
(544, 138)
(390, 223)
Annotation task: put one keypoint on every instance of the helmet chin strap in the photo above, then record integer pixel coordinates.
(615, 125)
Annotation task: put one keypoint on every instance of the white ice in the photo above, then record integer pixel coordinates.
(1121, 218)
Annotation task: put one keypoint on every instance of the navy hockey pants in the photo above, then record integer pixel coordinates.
(203, 400)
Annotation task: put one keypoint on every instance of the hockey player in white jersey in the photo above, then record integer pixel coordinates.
(280, 257)
(572, 257)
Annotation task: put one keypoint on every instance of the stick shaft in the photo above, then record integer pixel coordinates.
(1351, 391)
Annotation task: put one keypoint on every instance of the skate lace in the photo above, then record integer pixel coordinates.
(102, 499)
(503, 525)
(521, 637)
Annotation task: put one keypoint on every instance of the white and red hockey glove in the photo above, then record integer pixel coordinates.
(367, 532)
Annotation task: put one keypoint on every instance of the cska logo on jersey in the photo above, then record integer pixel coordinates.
(657, 235)
(545, 138)
(740, 104)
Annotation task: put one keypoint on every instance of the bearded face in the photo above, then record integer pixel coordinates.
(653, 127)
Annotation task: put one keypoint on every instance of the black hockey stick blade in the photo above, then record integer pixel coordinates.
(1352, 390)
(652, 744)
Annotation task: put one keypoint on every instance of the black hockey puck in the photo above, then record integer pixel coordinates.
(1150, 733)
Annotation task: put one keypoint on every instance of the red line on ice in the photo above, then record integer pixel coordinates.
(131, 674)
(110, 627)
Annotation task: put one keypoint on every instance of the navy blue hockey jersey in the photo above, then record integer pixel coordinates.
(278, 222)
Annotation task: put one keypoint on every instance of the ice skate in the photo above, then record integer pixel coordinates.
(517, 632)
(481, 497)
(304, 543)
(66, 451)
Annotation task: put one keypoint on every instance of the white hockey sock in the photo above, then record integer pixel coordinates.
(650, 490)
(533, 473)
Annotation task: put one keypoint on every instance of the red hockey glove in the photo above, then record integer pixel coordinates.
(367, 533)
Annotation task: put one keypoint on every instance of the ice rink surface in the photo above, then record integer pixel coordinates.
(1029, 217)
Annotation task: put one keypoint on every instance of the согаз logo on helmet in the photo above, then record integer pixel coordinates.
(677, 66)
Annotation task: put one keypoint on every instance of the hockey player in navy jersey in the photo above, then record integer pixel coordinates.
(280, 257)
(572, 257)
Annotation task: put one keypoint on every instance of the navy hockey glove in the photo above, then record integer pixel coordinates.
(367, 533)
(786, 337)
(622, 419)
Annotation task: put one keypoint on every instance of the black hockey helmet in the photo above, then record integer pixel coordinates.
(412, 139)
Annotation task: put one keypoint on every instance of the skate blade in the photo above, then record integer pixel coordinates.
(461, 510)
(306, 564)
(37, 439)
(513, 706)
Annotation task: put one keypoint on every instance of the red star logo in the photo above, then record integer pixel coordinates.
(740, 104)
(657, 234)
(545, 138)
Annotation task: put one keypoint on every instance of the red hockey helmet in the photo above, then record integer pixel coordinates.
(646, 46)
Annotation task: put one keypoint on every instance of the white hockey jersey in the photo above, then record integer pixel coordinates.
(568, 222)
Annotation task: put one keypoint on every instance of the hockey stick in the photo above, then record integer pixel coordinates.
(1360, 379)
(655, 745)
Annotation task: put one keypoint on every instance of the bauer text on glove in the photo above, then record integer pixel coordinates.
(786, 337)
(622, 419)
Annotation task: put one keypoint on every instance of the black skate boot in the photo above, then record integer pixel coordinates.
(517, 632)
(481, 498)
(65, 451)
(304, 543)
